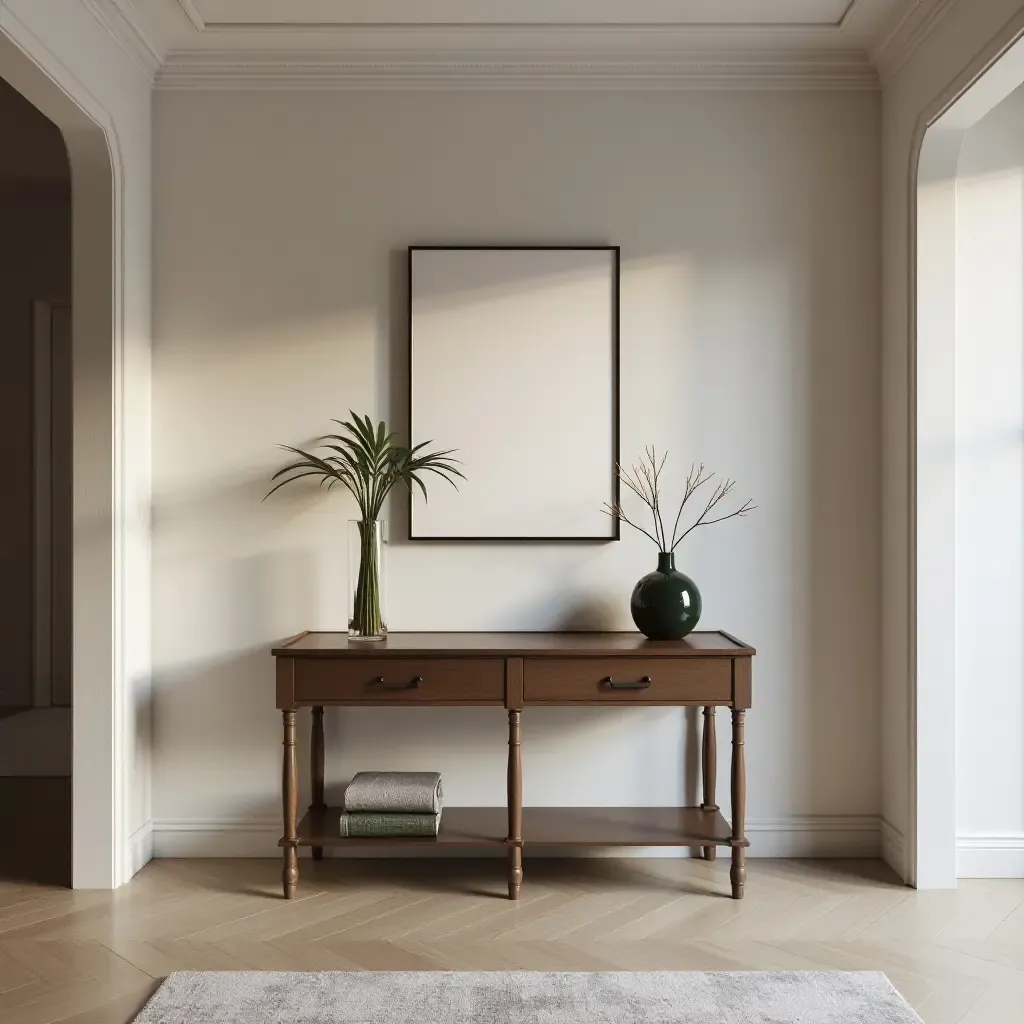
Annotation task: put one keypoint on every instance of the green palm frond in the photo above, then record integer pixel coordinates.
(368, 461)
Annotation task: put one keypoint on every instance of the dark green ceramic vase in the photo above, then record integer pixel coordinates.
(665, 603)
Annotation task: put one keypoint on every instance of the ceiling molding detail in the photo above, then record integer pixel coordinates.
(911, 24)
(850, 13)
(192, 14)
(131, 30)
(296, 16)
(235, 71)
(871, 42)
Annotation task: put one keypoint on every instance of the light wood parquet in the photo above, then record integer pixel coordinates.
(95, 957)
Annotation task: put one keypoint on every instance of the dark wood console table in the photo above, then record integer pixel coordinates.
(517, 671)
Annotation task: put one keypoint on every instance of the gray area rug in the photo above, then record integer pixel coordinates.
(526, 997)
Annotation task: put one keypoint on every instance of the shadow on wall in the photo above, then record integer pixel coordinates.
(232, 749)
(262, 594)
(220, 736)
(216, 730)
(834, 617)
(749, 339)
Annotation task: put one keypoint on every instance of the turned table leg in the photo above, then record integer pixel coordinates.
(316, 769)
(515, 807)
(738, 871)
(290, 800)
(709, 770)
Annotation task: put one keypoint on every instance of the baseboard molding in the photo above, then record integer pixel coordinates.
(140, 848)
(990, 856)
(816, 835)
(796, 836)
(210, 837)
(894, 848)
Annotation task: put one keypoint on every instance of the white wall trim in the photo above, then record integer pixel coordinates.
(841, 65)
(99, 785)
(128, 27)
(931, 828)
(817, 835)
(584, 55)
(906, 30)
(193, 15)
(254, 71)
(797, 836)
(893, 848)
(1000, 855)
(140, 848)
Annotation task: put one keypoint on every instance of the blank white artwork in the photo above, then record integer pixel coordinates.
(514, 364)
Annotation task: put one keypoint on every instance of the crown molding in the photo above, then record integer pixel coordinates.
(524, 57)
(193, 15)
(230, 70)
(850, 14)
(131, 30)
(540, 13)
(906, 30)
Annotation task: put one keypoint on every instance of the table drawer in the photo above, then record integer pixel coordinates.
(628, 680)
(400, 681)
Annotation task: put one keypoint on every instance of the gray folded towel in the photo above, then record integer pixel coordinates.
(387, 824)
(404, 792)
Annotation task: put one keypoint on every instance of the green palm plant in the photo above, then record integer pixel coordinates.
(368, 461)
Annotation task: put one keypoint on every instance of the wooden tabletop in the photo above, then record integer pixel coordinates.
(517, 645)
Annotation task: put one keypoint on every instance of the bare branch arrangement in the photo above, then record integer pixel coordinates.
(644, 480)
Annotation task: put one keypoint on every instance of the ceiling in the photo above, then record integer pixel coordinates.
(232, 14)
(212, 42)
(202, 22)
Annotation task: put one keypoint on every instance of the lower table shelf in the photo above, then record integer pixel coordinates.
(555, 826)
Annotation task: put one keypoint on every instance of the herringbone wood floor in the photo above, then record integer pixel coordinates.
(94, 957)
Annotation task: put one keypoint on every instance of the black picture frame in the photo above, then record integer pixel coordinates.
(614, 491)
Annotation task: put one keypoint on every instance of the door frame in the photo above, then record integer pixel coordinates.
(931, 840)
(99, 788)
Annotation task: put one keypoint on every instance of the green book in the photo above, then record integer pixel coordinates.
(380, 824)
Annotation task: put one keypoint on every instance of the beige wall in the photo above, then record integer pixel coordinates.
(35, 264)
(748, 226)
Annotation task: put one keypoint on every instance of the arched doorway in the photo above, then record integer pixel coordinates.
(936, 234)
(98, 789)
(35, 493)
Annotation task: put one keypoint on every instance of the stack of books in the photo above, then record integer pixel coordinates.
(382, 804)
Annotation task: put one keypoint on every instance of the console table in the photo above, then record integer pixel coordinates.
(516, 671)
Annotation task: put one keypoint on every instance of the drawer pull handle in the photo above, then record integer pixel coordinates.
(413, 684)
(641, 684)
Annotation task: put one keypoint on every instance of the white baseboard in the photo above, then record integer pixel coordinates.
(815, 835)
(140, 848)
(211, 837)
(990, 856)
(797, 836)
(894, 848)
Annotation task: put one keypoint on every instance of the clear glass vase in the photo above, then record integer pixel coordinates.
(367, 579)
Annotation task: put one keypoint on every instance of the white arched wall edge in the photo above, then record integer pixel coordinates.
(99, 788)
(938, 142)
